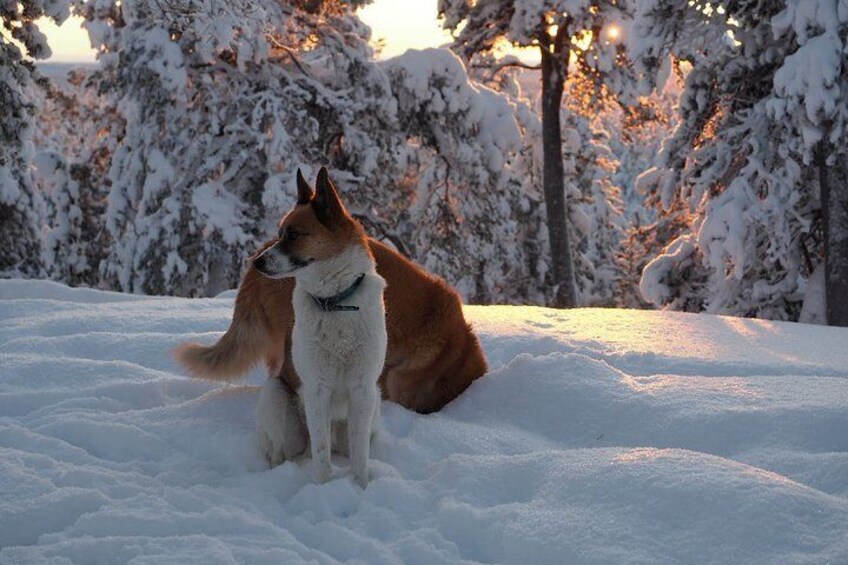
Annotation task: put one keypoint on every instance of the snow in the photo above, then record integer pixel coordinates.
(220, 210)
(435, 81)
(10, 190)
(166, 59)
(812, 74)
(599, 436)
(814, 308)
(654, 285)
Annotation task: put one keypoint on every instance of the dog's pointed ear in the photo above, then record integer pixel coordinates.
(304, 191)
(327, 204)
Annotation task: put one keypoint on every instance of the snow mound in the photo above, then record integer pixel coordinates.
(599, 436)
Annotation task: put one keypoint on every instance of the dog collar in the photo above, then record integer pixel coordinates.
(331, 303)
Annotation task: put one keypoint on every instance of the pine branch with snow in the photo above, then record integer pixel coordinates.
(21, 205)
(765, 98)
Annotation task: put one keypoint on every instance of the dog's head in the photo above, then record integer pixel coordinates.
(317, 228)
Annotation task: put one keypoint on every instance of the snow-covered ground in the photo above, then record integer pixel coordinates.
(600, 436)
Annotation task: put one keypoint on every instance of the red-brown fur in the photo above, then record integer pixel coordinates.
(433, 355)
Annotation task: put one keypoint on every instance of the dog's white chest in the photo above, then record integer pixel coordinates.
(339, 346)
(331, 342)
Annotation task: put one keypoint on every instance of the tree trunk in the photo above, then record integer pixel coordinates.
(833, 184)
(553, 77)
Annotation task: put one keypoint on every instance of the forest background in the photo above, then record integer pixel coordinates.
(650, 153)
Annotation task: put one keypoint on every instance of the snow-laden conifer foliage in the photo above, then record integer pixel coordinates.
(635, 133)
(220, 110)
(562, 30)
(161, 170)
(222, 104)
(759, 154)
(475, 216)
(21, 205)
(596, 218)
(75, 135)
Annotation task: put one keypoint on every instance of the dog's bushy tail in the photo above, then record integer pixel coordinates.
(239, 349)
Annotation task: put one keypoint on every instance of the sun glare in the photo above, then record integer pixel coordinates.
(399, 26)
(582, 39)
(69, 42)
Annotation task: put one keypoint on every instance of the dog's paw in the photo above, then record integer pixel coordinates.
(361, 479)
(323, 473)
(274, 454)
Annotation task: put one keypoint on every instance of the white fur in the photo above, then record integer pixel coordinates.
(279, 423)
(337, 355)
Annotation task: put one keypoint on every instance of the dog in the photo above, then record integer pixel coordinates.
(432, 353)
(339, 337)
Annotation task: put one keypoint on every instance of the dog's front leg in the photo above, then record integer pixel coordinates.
(316, 403)
(360, 415)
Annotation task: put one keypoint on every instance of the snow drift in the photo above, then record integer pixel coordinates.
(600, 436)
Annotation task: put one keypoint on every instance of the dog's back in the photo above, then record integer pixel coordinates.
(433, 355)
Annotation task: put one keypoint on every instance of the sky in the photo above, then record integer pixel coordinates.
(400, 26)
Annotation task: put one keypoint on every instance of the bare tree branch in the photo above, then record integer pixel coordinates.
(500, 66)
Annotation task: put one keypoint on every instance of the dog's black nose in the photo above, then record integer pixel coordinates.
(259, 263)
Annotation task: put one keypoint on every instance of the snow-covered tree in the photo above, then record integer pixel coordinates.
(596, 212)
(21, 206)
(632, 135)
(560, 29)
(222, 102)
(759, 155)
(636, 132)
(74, 135)
(592, 169)
(475, 216)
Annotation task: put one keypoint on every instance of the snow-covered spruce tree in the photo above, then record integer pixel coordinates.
(222, 102)
(444, 174)
(21, 206)
(762, 128)
(597, 223)
(636, 134)
(74, 136)
(215, 130)
(811, 103)
(560, 29)
(475, 218)
(593, 149)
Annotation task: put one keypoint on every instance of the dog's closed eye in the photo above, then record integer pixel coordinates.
(288, 234)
